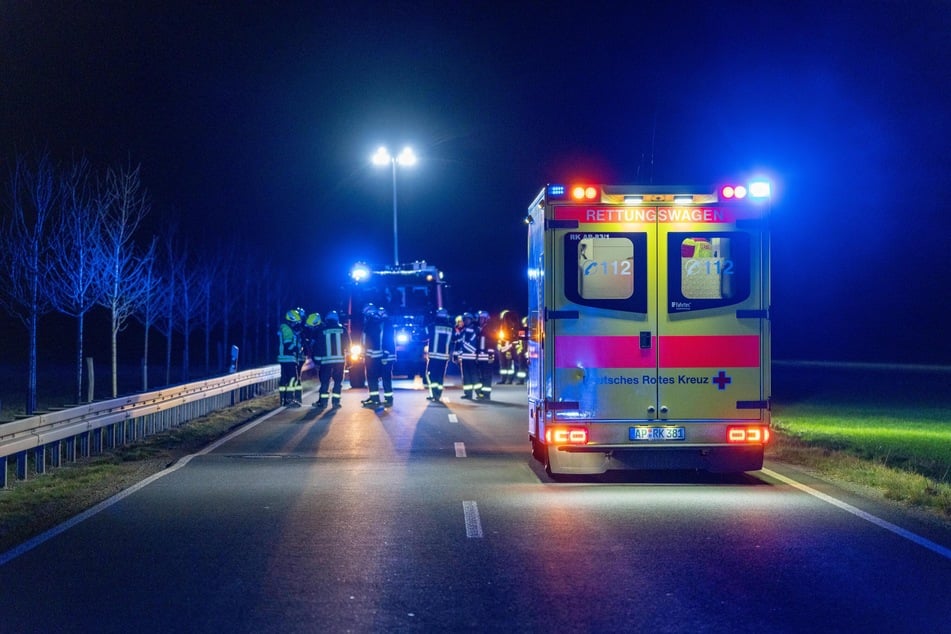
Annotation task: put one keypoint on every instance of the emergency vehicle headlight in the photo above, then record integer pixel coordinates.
(402, 337)
(747, 434)
(355, 351)
(566, 436)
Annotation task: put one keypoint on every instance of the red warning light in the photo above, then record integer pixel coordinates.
(733, 191)
(581, 192)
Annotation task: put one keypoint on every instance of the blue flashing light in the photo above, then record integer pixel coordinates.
(360, 272)
(556, 191)
(760, 189)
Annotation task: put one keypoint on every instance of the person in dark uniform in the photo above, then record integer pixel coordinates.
(372, 353)
(521, 353)
(389, 356)
(289, 356)
(438, 348)
(466, 350)
(485, 358)
(331, 344)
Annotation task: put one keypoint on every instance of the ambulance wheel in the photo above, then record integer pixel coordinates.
(540, 452)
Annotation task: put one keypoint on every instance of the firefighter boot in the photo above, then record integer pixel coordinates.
(321, 403)
(373, 402)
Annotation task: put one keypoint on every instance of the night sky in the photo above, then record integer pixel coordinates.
(257, 120)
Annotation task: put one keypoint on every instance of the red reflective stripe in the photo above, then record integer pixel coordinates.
(724, 351)
(604, 351)
(700, 351)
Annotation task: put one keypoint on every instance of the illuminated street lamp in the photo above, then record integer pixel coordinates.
(405, 158)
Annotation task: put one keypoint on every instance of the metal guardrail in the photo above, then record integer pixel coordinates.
(88, 429)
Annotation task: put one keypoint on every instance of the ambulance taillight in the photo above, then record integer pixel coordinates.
(747, 434)
(566, 436)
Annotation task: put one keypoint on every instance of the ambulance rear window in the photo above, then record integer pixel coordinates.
(607, 270)
(707, 269)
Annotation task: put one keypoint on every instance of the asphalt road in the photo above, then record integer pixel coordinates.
(434, 518)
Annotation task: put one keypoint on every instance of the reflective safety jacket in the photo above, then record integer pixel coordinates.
(331, 344)
(288, 349)
(468, 343)
(440, 341)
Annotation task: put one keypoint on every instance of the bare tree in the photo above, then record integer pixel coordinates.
(122, 206)
(167, 317)
(225, 298)
(26, 253)
(189, 305)
(207, 274)
(152, 302)
(76, 276)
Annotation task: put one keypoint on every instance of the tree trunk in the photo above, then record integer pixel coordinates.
(79, 356)
(115, 365)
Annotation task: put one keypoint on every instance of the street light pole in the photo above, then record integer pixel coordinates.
(405, 158)
(396, 248)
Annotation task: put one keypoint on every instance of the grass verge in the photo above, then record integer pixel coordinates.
(906, 457)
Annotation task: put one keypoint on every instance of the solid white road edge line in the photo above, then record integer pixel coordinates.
(29, 545)
(868, 517)
(473, 524)
(453, 418)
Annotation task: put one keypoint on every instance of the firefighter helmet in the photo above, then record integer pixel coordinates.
(313, 320)
(483, 317)
(332, 318)
(292, 316)
(369, 310)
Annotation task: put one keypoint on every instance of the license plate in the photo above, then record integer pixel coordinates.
(657, 433)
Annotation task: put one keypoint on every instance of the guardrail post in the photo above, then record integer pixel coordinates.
(21, 465)
(39, 459)
(54, 453)
(3, 472)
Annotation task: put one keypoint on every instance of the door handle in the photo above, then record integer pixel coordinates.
(645, 339)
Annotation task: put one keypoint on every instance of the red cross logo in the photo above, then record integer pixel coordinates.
(722, 380)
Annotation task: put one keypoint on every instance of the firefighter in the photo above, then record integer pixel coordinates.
(438, 349)
(331, 343)
(506, 349)
(521, 353)
(389, 356)
(309, 345)
(466, 351)
(372, 353)
(289, 357)
(485, 358)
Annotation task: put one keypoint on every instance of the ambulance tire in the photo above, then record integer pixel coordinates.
(540, 452)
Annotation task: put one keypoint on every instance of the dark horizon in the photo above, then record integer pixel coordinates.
(258, 122)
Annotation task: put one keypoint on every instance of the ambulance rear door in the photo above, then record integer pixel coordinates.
(712, 338)
(600, 318)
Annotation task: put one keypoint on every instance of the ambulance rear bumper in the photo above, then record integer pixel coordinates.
(580, 460)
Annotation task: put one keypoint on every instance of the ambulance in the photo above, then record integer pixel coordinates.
(649, 327)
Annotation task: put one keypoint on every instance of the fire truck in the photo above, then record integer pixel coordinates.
(649, 327)
(411, 293)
